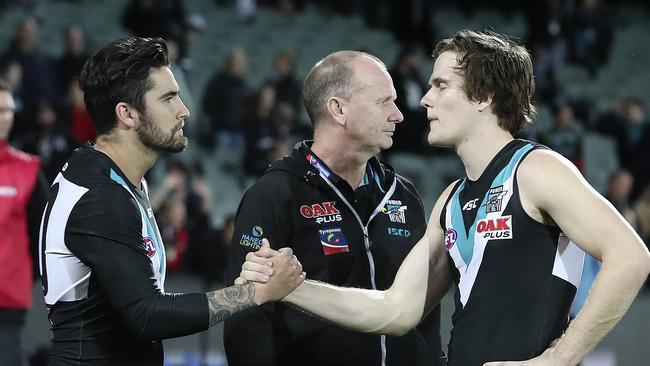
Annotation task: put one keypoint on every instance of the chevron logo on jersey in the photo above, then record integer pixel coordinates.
(333, 241)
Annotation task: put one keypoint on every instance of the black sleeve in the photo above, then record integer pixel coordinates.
(37, 201)
(263, 206)
(166, 316)
(104, 232)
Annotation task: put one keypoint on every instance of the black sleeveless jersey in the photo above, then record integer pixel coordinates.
(515, 277)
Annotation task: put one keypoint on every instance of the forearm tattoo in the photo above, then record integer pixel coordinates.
(230, 300)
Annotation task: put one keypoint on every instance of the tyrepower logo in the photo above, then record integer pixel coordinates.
(321, 212)
(496, 228)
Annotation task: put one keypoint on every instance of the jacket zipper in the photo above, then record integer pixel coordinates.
(366, 241)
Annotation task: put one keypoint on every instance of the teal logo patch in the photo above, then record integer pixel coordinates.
(399, 232)
(254, 239)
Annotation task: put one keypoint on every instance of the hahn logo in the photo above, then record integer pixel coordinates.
(321, 212)
(496, 228)
(450, 238)
(149, 246)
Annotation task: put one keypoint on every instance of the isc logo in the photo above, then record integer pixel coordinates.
(496, 228)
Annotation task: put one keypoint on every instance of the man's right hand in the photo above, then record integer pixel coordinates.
(274, 273)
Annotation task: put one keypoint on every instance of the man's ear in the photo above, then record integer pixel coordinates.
(336, 107)
(126, 115)
(484, 104)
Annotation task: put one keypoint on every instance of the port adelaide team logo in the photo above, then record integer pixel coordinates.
(495, 199)
(396, 211)
(321, 212)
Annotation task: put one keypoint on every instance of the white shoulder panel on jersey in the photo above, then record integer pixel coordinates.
(67, 276)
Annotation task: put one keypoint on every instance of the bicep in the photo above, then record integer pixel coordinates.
(424, 276)
(556, 188)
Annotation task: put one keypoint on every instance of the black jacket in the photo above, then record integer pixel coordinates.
(293, 204)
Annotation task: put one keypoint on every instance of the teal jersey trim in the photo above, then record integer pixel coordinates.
(465, 240)
(143, 213)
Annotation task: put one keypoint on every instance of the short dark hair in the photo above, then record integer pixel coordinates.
(119, 72)
(331, 76)
(495, 66)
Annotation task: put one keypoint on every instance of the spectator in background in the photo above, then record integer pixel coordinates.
(74, 56)
(12, 74)
(619, 191)
(52, 143)
(160, 18)
(410, 136)
(76, 115)
(224, 101)
(411, 21)
(175, 233)
(23, 194)
(288, 89)
(183, 201)
(260, 131)
(208, 258)
(591, 35)
(37, 75)
(629, 127)
(546, 38)
(565, 135)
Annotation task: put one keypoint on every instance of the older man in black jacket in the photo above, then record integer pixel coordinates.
(350, 220)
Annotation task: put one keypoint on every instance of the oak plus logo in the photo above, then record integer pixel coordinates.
(321, 212)
(495, 228)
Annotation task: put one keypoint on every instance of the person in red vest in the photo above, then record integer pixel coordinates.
(23, 194)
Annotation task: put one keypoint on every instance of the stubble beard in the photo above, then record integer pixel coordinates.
(156, 139)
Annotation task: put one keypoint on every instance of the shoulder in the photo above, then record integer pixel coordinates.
(24, 157)
(543, 166)
(545, 175)
(407, 185)
(275, 182)
(108, 202)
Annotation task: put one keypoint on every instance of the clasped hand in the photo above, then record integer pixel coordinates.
(274, 273)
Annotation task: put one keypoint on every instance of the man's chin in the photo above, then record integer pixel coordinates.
(177, 147)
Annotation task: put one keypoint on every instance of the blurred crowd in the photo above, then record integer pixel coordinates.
(263, 122)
